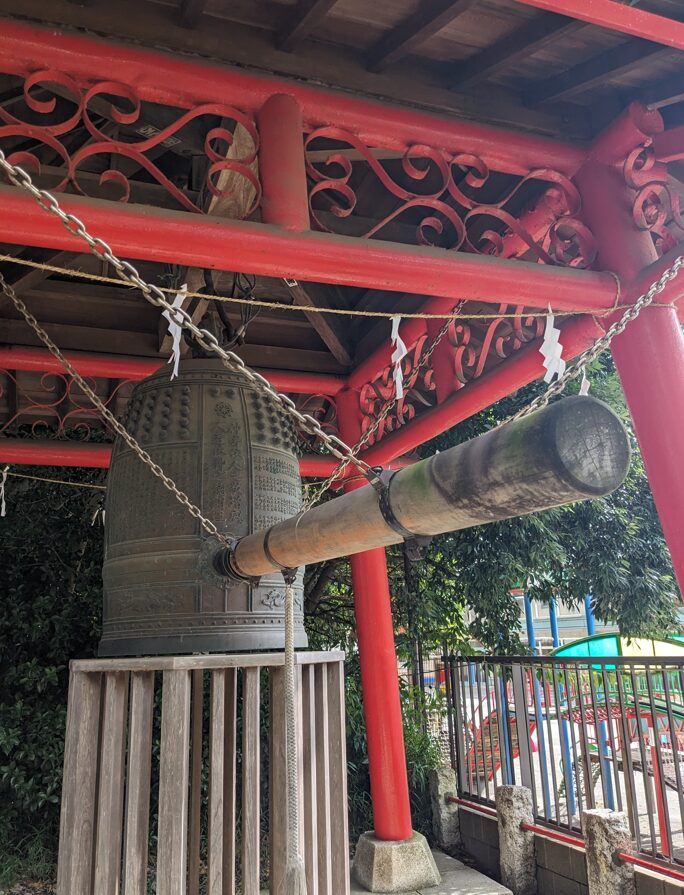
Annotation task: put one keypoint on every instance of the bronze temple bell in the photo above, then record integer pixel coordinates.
(232, 450)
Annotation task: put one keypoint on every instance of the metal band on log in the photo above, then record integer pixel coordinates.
(573, 450)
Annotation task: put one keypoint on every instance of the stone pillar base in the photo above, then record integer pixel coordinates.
(605, 833)
(382, 866)
(445, 819)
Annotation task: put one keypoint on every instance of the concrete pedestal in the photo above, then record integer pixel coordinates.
(389, 867)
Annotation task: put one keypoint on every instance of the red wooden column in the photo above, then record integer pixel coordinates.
(285, 203)
(649, 355)
(379, 675)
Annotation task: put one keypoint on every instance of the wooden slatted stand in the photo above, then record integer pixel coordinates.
(166, 760)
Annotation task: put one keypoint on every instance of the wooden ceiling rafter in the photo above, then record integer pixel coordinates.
(407, 36)
(665, 92)
(525, 40)
(307, 14)
(30, 277)
(190, 12)
(329, 327)
(598, 69)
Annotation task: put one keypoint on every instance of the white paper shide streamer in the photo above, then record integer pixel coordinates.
(176, 330)
(584, 385)
(3, 479)
(551, 350)
(399, 353)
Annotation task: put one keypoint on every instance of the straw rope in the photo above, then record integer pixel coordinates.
(342, 312)
(41, 478)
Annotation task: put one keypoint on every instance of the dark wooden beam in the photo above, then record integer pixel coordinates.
(597, 70)
(307, 14)
(330, 328)
(525, 40)
(30, 277)
(190, 12)
(107, 340)
(665, 92)
(428, 19)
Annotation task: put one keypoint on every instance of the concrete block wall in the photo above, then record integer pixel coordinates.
(652, 885)
(480, 836)
(561, 869)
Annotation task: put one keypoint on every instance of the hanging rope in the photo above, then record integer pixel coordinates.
(295, 873)
(407, 382)
(316, 309)
(40, 478)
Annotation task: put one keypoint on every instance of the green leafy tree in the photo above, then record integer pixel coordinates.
(612, 548)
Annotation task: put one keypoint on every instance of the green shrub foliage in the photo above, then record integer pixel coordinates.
(51, 555)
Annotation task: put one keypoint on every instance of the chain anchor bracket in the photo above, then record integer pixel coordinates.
(225, 565)
(289, 576)
(416, 545)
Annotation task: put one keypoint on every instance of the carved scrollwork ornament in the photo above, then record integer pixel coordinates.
(120, 104)
(442, 195)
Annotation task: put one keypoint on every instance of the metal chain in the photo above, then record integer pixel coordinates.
(119, 428)
(155, 296)
(338, 472)
(591, 353)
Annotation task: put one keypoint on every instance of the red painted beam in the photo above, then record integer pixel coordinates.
(618, 17)
(182, 238)
(35, 452)
(634, 128)
(113, 366)
(669, 146)
(513, 374)
(181, 82)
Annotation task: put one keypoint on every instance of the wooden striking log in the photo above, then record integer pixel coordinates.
(573, 450)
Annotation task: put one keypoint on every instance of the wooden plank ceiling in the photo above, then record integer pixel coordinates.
(494, 60)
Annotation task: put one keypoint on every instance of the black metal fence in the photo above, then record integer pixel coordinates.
(579, 733)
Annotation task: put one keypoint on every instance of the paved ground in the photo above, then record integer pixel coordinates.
(457, 879)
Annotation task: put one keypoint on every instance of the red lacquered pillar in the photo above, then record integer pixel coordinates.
(379, 675)
(285, 203)
(282, 169)
(649, 354)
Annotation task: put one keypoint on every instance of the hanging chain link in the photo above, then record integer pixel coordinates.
(600, 345)
(339, 470)
(155, 296)
(118, 427)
